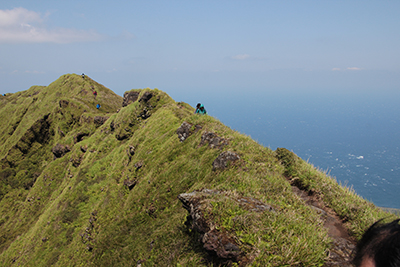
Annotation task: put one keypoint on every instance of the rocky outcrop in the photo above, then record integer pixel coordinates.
(99, 120)
(186, 129)
(146, 97)
(130, 97)
(130, 152)
(219, 245)
(213, 140)
(60, 150)
(223, 160)
(223, 247)
(183, 131)
(79, 137)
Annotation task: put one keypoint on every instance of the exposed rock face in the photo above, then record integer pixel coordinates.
(221, 162)
(79, 137)
(146, 97)
(213, 140)
(223, 247)
(185, 130)
(99, 120)
(130, 97)
(60, 150)
(218, 244)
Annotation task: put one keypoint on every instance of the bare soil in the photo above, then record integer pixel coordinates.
(342, 243)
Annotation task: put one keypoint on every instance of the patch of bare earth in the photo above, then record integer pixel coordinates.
(343, 244)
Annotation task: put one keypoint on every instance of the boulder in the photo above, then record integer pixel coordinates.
(130, 183)
(213, 140)
(218, 244)
(222, 161)
(60, 150)
(130, 97)
(186, 129)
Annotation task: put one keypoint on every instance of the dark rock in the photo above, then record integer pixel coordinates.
(76, 161)
(99, 120)
(221, 162)
(130, 183)
(213, 140)
(146, 97)
(121, 136)
(79, 137)
(138, 165)
(145, 114)
(63, 103)
(218, 244)
(130, 151)
(60, 150)
(130, 97)
(112, 126)
(184, 131)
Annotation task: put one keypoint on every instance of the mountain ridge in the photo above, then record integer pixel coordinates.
(91, 186)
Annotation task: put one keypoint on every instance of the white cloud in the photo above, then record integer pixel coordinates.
(349, 68)
(241, 57)
(18, 16)
(20, 25)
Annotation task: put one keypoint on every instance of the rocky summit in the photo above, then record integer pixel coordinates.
(90, 178)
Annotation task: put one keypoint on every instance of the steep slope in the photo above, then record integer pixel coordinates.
(88, 187)
(40, 116)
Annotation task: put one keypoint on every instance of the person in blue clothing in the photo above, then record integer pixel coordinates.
(200, 109)
(98, 106)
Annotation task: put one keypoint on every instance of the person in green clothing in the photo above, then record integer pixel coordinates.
(200, 109)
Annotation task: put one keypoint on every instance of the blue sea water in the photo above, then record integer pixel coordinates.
(353, 137)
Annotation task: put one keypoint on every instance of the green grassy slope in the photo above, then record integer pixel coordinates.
(112, 199)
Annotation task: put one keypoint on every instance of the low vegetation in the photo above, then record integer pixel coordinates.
(81, 186)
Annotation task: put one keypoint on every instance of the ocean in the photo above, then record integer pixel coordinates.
(355, 138)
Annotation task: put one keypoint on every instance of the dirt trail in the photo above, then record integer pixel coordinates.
(343, 243)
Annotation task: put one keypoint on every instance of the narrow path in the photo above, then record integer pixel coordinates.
(343, 244)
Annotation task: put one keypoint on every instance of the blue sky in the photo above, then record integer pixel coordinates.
(187, 47)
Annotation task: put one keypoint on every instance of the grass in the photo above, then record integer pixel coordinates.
(78, 212)
(357, 212)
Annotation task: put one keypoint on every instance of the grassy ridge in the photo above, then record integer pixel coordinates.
(80, 210)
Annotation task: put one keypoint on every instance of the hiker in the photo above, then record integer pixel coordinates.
(200, 109)
(95, 94)
(379, 246)
(83, 75)
(98, 106)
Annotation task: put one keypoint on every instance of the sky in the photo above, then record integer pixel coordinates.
(187, 48)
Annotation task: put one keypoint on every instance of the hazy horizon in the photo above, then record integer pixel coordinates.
(178, 46)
